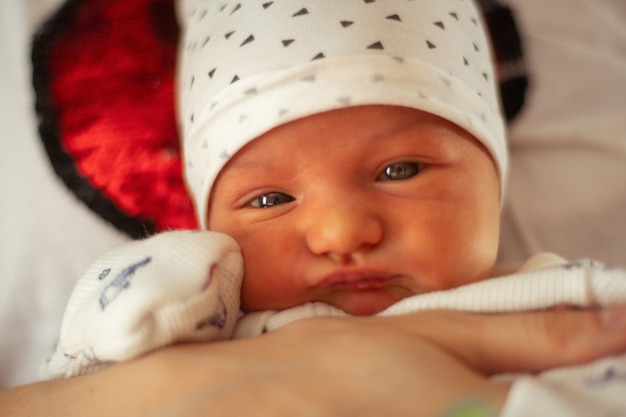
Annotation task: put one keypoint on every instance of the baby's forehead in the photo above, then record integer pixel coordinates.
(374, 130)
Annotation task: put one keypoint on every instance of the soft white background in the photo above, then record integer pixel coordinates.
(47, 238)
(567, 186)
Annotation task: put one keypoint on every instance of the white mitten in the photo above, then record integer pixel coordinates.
(142, 295)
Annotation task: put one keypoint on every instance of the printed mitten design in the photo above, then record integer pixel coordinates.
(142, 295)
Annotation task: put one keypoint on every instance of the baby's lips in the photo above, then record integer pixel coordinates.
(355, 279)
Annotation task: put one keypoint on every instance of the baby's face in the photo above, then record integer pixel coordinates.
(359, 208)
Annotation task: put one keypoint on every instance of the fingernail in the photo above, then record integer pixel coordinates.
(614, 317)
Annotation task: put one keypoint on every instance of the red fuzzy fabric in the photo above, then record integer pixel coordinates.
(108, 70)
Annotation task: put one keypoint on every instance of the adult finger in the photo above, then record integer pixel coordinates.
(527, 342)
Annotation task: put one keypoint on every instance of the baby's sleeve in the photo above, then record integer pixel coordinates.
(173, 287)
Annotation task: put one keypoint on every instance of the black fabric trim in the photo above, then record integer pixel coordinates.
(63, 163)
(508, 47)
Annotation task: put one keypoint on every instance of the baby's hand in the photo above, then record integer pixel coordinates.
(142, 295)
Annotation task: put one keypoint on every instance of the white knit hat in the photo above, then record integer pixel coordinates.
(248, 67)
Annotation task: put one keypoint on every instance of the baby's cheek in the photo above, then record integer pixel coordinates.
(259, 296)
(262, 288)
(246, 306)
(253, 293)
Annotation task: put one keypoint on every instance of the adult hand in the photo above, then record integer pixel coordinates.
(425, 364)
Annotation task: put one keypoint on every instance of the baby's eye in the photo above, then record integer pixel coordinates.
(271, 199)
(400, 171)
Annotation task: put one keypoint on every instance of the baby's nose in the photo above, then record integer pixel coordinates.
(342, 229)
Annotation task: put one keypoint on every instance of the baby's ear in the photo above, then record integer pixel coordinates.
(146, 294)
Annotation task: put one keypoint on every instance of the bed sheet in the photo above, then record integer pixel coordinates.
(567, 184)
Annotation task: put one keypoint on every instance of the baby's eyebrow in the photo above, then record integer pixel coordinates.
(243, 170)
(428, 135)
(247, 166)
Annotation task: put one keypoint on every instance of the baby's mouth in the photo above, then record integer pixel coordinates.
(355, 280)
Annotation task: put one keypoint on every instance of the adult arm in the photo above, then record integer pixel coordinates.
(422, 364)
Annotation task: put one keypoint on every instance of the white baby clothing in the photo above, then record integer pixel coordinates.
(145, 294)
(184, 286)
